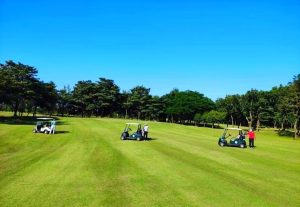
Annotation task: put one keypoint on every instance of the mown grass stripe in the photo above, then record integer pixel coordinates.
(88, 165)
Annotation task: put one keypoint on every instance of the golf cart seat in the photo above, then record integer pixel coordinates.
(38, 127)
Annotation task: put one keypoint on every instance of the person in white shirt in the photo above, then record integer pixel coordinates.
(146, 130)
(53, 126)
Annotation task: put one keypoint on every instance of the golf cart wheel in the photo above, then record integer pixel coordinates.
(138, 139)
(122, 138)
(242, 146)
(221, 144)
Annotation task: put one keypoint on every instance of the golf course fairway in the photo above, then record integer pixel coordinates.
(86, 164)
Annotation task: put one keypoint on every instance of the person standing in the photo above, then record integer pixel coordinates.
(145, 130)
(251, 136)
(52, 128)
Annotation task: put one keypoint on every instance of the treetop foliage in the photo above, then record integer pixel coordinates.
(22, 92)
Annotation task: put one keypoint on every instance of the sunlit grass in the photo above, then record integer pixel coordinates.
(86, 164)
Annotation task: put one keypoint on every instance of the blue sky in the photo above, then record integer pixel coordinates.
(214, 47)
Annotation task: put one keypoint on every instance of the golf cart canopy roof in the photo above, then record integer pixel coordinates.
(234, 129)
(44, 118)
(133, 123)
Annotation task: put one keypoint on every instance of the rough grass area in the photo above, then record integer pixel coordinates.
(86, 164)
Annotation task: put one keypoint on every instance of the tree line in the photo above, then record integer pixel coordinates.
(23, 93)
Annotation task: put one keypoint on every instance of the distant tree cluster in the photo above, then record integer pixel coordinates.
(22, 92)
(278, 108)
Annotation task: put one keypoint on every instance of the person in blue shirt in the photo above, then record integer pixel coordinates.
(53, 126)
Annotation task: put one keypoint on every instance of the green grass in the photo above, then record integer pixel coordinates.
(88, 165)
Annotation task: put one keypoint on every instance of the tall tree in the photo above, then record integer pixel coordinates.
(138, 99)
(17, 83)
(295, 103)
(84, 97)
(183, 105)
(250, 106)
(154, 109)
(282, 107)
(231, 104)
(125, 103)
(268, 107)
(170, 100)
(44, 97)
(50, 97)
(107, 97)
(64, 102)
(213, 117)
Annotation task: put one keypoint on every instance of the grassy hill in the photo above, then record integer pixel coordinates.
(86, 164)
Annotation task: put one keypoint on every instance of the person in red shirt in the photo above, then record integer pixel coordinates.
(251, 136)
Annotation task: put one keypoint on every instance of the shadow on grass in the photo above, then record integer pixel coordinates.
(56, 132)
(26, 120)
(150, 139)
(143, 140)
(61, 132)
(17, 120)
(209, 126)
(285, 133)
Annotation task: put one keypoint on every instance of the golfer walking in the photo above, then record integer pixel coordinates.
(251, 136)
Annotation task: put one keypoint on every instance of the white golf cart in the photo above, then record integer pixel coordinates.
(43, 125)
